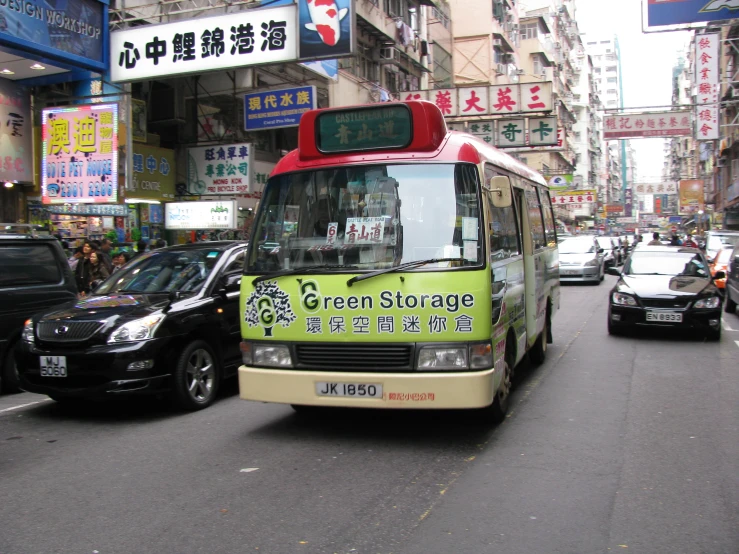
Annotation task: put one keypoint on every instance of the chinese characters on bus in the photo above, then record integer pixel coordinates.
(80, 154)
(707, 51)
(234, 40)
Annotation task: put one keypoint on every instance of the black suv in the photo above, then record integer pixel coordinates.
(167, 322)
(34, 276)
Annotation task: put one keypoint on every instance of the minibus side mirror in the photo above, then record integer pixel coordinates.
(500, 191)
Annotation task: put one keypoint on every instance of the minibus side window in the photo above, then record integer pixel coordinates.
(535, 220)
(549, 226)
(503, 229)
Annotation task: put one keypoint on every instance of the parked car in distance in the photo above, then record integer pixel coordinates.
(34, 276)
(581, 259)
(731, 292)
(611, 250)
(665, 286)
(721, 263)
(167, 322)
(719, 240)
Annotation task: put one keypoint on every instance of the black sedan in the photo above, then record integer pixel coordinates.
(665, 286)
(168, 322)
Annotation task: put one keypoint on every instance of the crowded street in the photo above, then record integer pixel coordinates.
(625, 443)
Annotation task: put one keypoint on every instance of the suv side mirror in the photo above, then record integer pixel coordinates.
(230, 282)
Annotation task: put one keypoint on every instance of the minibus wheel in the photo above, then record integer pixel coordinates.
(538, 352)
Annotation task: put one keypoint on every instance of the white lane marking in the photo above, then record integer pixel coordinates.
(726, 325)
(25, 405)
(737, 342)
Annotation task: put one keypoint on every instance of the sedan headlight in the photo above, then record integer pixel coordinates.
(441, 359)
(139, 329)
(622, 299)
(592, 263)
(272, 355)
(710, 303)
(27, 334)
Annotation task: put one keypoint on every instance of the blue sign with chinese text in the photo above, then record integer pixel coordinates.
(73, 32)
(683, 12)
(277, 108)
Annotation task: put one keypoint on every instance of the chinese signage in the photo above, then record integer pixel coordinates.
(628, 202)
(614, 208)
(364, 230)
(221, 169)
(16, 138)
(89, 209)
(364, 129)
(277, 108)
(200, 215)
(708, 80)
(325, 28)
(80, 154)
(659, 124)
(669, 187)
(489, 100)
(239, 39)
(511, 133)
(683, 12)
(75, 28)
(572, 197)
(153, 173)
(691, 196)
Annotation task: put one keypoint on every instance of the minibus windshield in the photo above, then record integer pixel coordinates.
(368, 218)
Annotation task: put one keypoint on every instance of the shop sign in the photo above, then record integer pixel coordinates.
(277, 108)
(624, 220)
(708, 81)
(513, 133)
(200, 215)
(669, 187)
(572, 197)
(240, 39)
(503, 100)
(153, 173)
(76, 33)
(220, 169)
(652, 124)
(614, 208)
(16, 133)
(326, 28)
(690, 197)
(79, 160)
(89, 209)
(542, 131)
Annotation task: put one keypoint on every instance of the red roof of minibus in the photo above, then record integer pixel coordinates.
(452, 147)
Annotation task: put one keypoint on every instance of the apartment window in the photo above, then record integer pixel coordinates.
(613, 79)
(441, 17)
(608, 50)
(392, 81)
(605, 42)
(611, 102)
(611, 69)
(611, 91)
(442, 67)
(362, 65)
(529, 30)
(597, 70)
(538, 64)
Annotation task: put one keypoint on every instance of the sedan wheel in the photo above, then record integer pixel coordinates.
(196, 377)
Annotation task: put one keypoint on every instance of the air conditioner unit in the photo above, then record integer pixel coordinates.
(502, 69)
(497, 42)
(389, 54)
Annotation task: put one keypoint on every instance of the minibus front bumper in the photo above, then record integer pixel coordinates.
(413, 390)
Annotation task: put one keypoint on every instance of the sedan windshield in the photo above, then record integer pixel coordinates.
(667, 263)
(163, 271)
(577, 246)
(369, 218)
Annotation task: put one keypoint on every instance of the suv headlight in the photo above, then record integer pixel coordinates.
(592, 263)
(622, 299)
(139, 329)
(272, 355)
(27, 334)
(433, 358)
(711, 303)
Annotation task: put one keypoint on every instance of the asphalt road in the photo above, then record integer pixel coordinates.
(614, 444)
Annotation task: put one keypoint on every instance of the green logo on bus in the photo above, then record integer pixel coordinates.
(268, 306)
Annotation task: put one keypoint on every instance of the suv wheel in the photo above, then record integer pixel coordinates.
(195, 378)
(10, 381)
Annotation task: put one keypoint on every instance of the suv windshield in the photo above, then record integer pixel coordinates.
(717, 242)
(164, 271)
(667, 263)
(370, 217)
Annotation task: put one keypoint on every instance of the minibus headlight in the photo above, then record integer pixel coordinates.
(481, 356)
(439, 359)
(272, 355)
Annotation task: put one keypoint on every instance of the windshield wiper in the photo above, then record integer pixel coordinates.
(400, 267)
(295, 271)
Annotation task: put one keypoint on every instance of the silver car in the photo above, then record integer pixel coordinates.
(611, 251)
(581, 259)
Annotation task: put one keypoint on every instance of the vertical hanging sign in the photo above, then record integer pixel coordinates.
(707, 52)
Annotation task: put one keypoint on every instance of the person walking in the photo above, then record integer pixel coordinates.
(690, 242)
(82, 271)
(77, 255)
(675, 240)
(98, 271)
(655, 240)
(104, 254)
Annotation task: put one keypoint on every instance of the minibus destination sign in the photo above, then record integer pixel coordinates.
(364, 129)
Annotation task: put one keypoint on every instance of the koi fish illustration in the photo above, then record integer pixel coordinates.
(326, 20)
(716, 5)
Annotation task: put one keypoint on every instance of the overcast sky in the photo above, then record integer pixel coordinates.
(647, 60)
